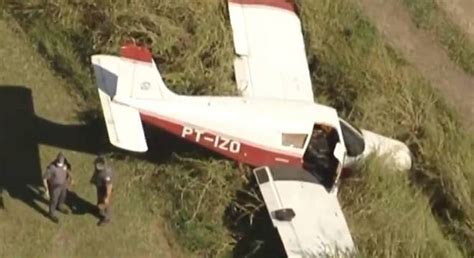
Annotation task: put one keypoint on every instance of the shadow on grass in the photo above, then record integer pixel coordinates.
(80, 206)
(247, 218)
(252, 230)
(21, 131)
(20, 172)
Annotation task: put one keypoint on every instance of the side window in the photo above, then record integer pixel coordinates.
(295, 140)
(353, 138)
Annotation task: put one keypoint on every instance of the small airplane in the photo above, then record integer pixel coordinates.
(270, 126)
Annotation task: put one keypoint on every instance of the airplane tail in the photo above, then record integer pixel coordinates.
(133, 76)
(139, 77)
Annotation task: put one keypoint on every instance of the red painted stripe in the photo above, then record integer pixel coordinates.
(283, 4)
(132, 51)
(248, 154)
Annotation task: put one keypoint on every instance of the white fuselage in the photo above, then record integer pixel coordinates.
(247, 130)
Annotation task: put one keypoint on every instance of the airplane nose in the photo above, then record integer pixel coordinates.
(397, 153)
(402, 156)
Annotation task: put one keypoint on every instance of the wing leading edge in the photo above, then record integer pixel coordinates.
(309, 220)
(271, 59)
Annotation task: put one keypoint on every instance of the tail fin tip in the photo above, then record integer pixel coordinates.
(135, 52)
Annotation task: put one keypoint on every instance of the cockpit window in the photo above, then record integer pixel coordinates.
(295, 140)
(353, 139)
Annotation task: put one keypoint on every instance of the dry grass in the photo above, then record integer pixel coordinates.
(428, 212)
(372, 85)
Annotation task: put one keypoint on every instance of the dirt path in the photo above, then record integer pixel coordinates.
(462, 13)
(423, 51)
(38, 119)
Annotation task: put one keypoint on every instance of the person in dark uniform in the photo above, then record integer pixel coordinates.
(57, 179)
(2, 204)
(2, 182)
(319, 157)
(102, 179)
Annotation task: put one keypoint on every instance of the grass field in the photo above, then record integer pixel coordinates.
(426, 213)
(428, 15)
(38, 119)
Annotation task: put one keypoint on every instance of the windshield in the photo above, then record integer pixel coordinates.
(353, 139)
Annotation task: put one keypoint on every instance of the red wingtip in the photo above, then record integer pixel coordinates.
(135, 52)
(283, 4)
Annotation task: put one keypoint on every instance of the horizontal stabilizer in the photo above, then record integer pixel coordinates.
(124, 126)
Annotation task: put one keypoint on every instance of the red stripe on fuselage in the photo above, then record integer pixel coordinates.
(246, 153)
(283, 4)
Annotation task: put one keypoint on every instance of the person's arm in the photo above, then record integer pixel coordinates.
(69, 179)
(47, 175)
(109, 193)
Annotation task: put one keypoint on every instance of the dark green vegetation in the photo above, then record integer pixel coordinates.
(427, 212)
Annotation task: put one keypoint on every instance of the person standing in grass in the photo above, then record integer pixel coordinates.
(102, 179)
(2, 185)
(57, 179)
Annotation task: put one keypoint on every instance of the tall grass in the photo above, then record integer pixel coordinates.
(386, 95)
(389, 218)
(194, 196)
(428, 212)
(193, 47)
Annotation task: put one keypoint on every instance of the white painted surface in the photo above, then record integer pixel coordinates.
(396, 152)
(258, 121)
(271, 60)
(124, 126)
(319, 226)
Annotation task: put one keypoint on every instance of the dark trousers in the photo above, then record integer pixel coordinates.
(57, 195)
(2, 205)
(106, 212)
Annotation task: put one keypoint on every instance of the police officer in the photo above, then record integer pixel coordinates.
(102, 179)
(56, 180)
(2, 205)
(2, 182)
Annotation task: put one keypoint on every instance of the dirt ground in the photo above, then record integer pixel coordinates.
(425, 53)
(462, 13)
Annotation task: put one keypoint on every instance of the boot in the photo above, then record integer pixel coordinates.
(54, 219)
(63, 209)
(102, 222)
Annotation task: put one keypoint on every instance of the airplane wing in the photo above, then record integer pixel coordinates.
(271, 59)
(309, 220)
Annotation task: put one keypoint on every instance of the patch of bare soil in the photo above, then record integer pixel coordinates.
(423, 51)
(462, 13)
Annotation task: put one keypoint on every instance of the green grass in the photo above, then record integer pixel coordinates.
(196, 194)
(428, 15)
(26, 148)
(428, 212)
(391, 219)
(370, 83)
